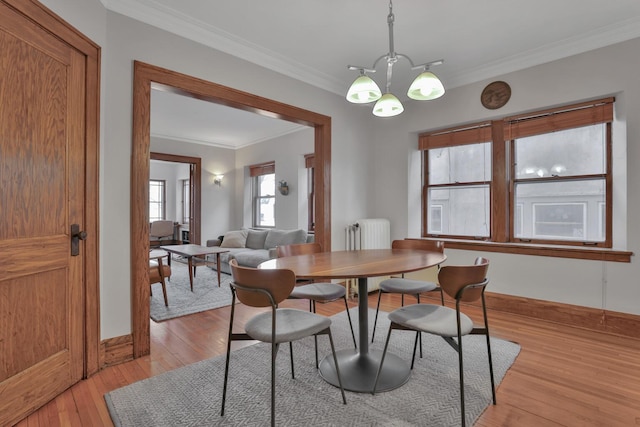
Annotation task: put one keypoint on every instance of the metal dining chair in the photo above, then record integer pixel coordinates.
(267, 288)
(402, 286)
(315, 291)
(465, 283)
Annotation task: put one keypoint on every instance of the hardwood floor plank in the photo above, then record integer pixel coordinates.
(564, 376)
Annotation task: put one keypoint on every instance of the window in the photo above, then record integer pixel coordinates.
(264, 194)
(186, 200)
(157, 197)
(458, 183)
(543, 177)
(309, 163)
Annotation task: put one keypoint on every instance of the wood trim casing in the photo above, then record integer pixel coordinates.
(594, 254)
(116, 350)
(145, 76)
(595, 319)
(194, 231)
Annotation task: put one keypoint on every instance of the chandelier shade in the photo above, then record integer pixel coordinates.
(363, 90)
(427, 86)
(388, 106)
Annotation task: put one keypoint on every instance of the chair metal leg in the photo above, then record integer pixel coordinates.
(335, 361)
(415, 345)
(460, 366)
(293, 372)
(486, 328)
(353, 335)
(384, 353)
(419, 334)
(274, 352)
(226, 365)
(375, 322)
(315, 337)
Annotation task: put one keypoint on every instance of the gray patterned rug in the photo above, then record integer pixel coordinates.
(191, 396)
(206, 294)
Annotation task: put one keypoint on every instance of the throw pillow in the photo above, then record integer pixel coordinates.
(284, 237)
(256, 238)
(234, 239)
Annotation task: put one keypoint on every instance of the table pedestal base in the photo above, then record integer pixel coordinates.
(358, 371)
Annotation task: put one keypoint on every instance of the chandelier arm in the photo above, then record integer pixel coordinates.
(375, 63)
(389, 74)
(426, 65)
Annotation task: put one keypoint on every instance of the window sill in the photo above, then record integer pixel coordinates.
(597, 254)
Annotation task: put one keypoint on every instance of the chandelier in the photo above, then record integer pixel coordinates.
(364, 90)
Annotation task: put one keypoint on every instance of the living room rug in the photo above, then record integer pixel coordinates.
(206, 294)
(191, 395)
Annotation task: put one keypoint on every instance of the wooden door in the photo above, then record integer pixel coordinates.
(42, 193)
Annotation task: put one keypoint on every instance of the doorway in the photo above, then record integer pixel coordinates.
(195, 192)
(146, 76)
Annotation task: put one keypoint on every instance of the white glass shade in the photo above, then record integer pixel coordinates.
(363, 90)
(388, 106)
(426, 87)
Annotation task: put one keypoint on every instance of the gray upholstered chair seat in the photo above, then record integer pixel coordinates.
(398, 285)
(291, 325)
(434, 319)
(322, 292)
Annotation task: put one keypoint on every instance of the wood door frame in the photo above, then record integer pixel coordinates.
(51, 22)
(146, 75)
(195, 230)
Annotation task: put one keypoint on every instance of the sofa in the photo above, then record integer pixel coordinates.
(250, 247)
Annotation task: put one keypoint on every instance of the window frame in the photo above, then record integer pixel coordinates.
(255, 172)
(309, 164)
(502, 211)
(186, 200)
(162, 203)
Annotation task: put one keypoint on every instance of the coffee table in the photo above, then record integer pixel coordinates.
(190, 251)
(358, 367)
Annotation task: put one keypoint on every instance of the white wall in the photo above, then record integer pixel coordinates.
(217, 209)
(288, 153)
(136, 41)
(375, 166)
(600, 73)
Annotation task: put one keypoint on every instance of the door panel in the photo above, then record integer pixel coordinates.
(42, 173)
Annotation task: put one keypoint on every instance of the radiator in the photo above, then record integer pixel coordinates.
(367, 234)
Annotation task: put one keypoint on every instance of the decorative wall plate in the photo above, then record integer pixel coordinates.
(495, 95)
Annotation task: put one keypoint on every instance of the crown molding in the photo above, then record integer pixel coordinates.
(176, 22)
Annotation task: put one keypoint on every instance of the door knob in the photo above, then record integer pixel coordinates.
(76, 236)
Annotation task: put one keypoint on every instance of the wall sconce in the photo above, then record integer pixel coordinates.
(283, 188)
(217, 179)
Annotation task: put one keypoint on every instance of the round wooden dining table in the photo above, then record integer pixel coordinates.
(358, 367)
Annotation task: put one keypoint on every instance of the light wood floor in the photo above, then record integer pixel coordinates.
(562, 377)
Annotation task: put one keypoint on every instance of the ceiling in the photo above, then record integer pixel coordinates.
(315, 40)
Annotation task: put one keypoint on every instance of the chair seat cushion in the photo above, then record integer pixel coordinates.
(433, 319)
(319, 292)
(399, 285)
(291, 325)
(154, 273)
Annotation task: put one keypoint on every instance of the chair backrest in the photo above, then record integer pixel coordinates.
(161, 228)
(298, 249)
(453, 278)
(419, 244)
(277, 282)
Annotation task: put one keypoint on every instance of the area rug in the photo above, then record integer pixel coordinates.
(191, 396)
(206, 294)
